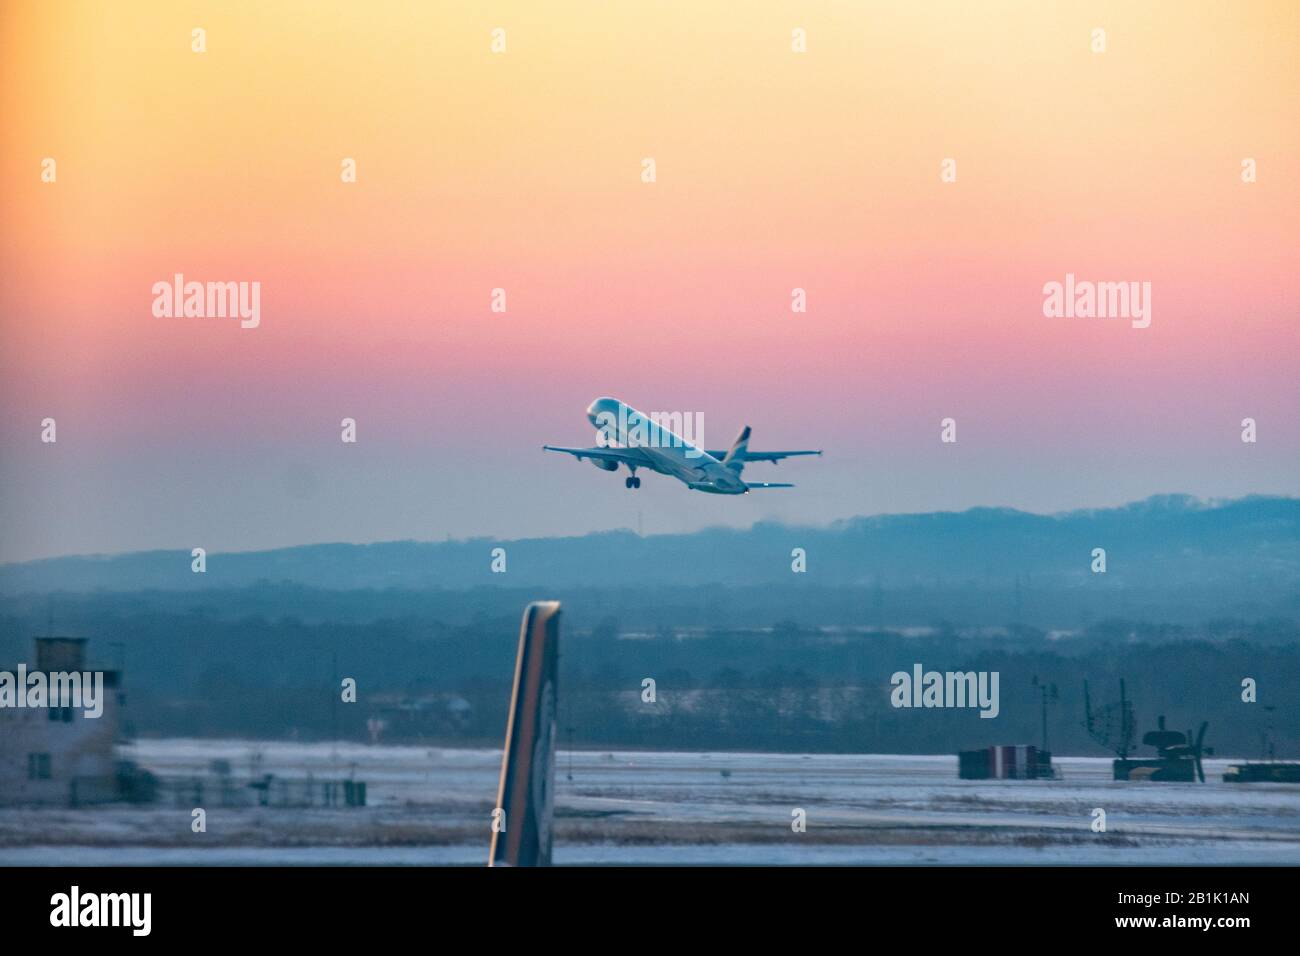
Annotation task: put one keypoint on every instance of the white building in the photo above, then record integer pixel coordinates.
(57, 755)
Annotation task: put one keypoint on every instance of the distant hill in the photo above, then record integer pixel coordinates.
(1169, 541)
(1196, 596)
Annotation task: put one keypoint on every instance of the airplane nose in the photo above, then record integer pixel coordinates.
(608, 406)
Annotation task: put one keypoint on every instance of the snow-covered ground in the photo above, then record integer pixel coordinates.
(432, 806)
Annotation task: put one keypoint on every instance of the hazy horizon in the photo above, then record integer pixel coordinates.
(1193, 501)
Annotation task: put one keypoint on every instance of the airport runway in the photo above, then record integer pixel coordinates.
(432, 806)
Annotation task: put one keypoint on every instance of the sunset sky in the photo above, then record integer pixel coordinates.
(522, 170)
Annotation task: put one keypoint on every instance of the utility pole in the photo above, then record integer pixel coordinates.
(1045, 747)
(334, 710)
(1048, 691)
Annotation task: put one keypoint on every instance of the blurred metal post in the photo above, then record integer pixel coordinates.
(526, 793)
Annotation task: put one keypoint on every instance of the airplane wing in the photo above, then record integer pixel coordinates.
(767, 484)
(632, 456)
(772, 456)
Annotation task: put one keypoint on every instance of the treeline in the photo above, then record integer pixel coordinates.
(796, 684)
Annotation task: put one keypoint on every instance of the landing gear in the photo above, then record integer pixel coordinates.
(632, 482)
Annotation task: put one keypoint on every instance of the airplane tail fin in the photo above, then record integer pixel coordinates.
(521, 822)
(735, 459)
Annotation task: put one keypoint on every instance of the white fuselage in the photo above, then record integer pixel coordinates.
(622, 426)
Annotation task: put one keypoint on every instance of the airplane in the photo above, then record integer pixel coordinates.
(638, 441)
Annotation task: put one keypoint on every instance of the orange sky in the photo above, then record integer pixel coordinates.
(521, 170)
